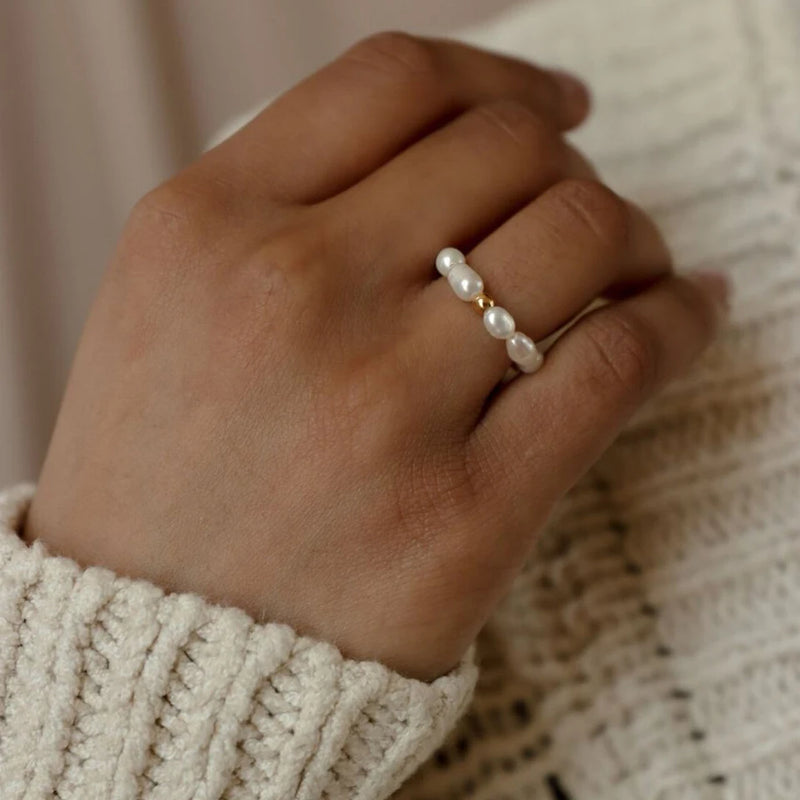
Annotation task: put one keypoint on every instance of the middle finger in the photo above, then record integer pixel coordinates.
(453, 187)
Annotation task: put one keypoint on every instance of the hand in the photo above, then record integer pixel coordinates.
(279, 404)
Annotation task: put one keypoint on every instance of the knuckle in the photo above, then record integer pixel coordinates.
(176, 208)
(395, 52)
(510, 120)
(293, 252)
(623, 354)
(169, 230)
(592, 207)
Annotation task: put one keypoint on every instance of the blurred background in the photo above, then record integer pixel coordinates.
(101, 100)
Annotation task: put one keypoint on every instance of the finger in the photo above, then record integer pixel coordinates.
(355, 114)
(545, 430)
(576, 242)
(454, 187)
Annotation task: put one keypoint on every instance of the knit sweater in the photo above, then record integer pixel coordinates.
(649, 649)
(111, 689)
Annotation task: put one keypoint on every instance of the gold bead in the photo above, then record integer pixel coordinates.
(482, 302)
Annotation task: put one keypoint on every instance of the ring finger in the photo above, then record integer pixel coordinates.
(576, 242)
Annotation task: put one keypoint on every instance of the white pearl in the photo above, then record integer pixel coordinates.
(520, 347)
(447, 259)
(498, 322)
(465, 282)
(523, 352)
(532, 365)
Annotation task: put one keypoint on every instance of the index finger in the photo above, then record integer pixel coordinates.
(378, 97)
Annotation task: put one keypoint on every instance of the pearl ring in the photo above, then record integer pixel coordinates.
(468, 286)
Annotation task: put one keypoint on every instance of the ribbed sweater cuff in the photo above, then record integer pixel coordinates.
(111, 688)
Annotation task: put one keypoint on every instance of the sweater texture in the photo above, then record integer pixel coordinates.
(111, 689)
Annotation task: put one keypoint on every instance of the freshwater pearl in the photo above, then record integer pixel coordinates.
(498, 322)
(523, 352)
(447, 259)
(465, 282)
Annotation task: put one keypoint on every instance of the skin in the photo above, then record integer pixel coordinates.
(277, 402)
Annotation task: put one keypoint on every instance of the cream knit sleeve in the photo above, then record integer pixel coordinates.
(110, 688)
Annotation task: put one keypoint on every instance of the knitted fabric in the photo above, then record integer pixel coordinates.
(111, 689)
(651, 649)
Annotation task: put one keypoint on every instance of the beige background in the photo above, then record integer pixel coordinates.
(100, 100)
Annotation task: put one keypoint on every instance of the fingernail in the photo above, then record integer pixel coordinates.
(575, 93)
(716, 285)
